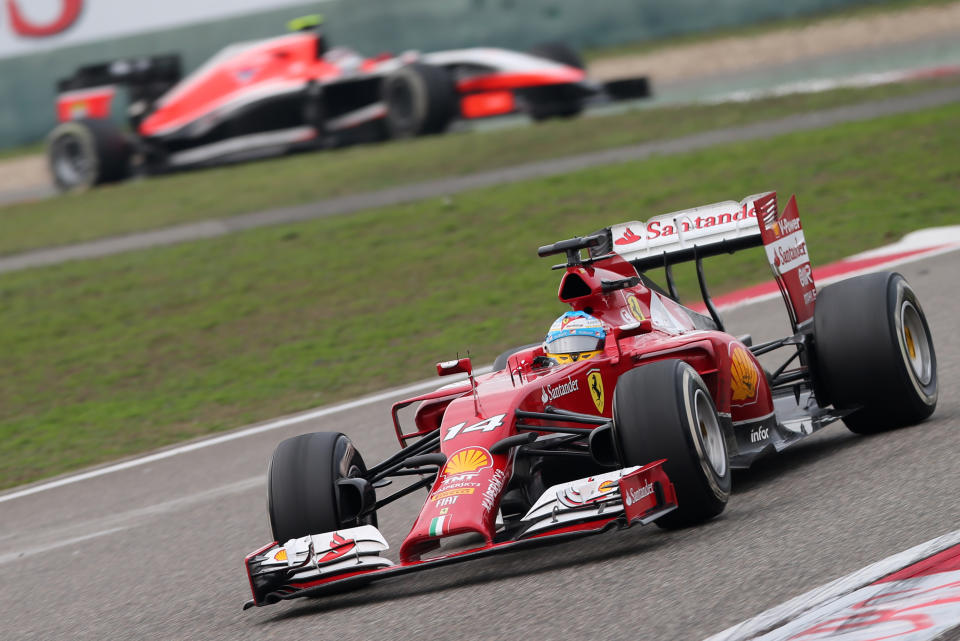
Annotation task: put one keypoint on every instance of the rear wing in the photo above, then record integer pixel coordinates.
(685, 235)
(89, 92)
(722, 228)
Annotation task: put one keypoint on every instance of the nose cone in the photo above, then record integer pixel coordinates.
(460, 513)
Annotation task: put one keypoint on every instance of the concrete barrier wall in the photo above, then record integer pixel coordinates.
(372, 26)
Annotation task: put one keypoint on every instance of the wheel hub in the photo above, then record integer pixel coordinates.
(710, 434)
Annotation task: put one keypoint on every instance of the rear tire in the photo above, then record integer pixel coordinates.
(664, 410)
(302, 495)
(420, 99)
(874, 351)
(88, 152)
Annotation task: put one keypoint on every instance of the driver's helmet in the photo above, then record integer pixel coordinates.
(575, 336)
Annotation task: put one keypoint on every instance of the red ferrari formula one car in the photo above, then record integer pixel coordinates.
(633, 410)
(294, 92)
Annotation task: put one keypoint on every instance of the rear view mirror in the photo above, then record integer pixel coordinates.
(459, 366)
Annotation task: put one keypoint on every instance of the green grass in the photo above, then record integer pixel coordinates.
(229, 191)
(110, 357)
(799, 22)
(25, 150)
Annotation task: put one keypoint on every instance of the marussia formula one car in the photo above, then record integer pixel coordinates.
(293, 93)
(644, 428)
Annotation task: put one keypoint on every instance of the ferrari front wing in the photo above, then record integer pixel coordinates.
(321, 563)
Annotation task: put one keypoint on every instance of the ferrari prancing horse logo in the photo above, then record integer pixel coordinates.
(635, 308)
(595, 385)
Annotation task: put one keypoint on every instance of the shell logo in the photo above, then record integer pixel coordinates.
(470, 459)
(743, 375)
(607, 486)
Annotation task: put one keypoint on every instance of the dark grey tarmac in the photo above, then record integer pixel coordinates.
(156, 552)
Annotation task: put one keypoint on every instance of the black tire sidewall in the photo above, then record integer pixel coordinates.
(84, 138)
(105, 146)
(302, 497)
(861, 357)
(654, 419)
(432, 100)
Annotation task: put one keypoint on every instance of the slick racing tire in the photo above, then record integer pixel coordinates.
(550, 102)
(874, 352)
(303, 496)
(420, 99)
(664, 410)
(85, 153)
(501, 362)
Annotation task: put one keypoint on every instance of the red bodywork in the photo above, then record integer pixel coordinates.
(467, 493)
(479, 421)
(85, 103)
(287, 64)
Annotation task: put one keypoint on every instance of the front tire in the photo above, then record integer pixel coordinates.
(302, 493)
(420, 99)
(874, 352)
(664, 410)
(88, 152)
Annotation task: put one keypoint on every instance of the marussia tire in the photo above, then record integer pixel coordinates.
(88, 152)
(420, 99)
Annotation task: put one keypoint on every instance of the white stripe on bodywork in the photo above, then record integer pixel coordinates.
(499, 59)
(242, 143)
(359, 116)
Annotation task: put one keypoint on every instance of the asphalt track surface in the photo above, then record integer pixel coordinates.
(156, 551)
(449, 186)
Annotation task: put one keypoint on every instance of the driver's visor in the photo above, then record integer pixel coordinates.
(573, 344)
(572, 358)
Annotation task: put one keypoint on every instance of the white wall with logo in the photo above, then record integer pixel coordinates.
(101, 19)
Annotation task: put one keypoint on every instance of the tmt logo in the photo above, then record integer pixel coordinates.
(69, 12)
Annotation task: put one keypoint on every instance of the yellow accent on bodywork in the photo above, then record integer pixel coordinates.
(305, 22)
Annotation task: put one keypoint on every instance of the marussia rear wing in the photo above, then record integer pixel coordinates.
(722, 228)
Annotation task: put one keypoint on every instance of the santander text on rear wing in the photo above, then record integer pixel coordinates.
(720, 228)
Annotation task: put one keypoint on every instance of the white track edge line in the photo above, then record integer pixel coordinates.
(231, 436)
(778, 616)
